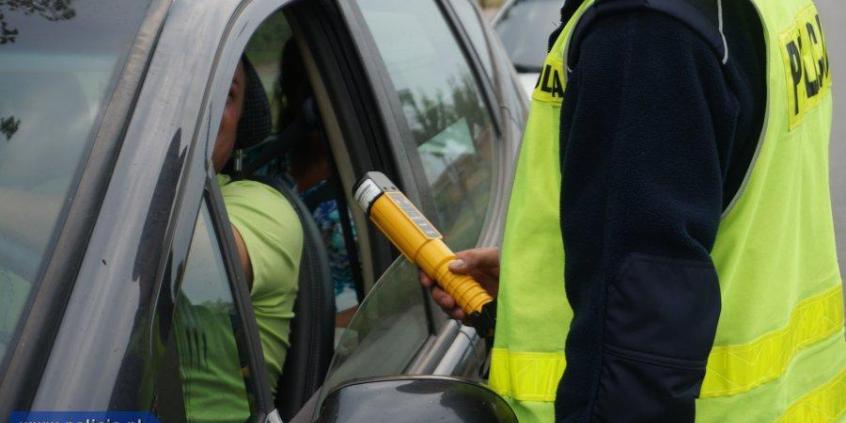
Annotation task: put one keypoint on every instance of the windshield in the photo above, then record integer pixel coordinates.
(524, 29)
(59, 61)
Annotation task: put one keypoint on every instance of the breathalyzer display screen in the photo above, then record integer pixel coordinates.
(400, 200)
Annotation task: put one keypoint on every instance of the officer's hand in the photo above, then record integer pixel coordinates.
(480, 263)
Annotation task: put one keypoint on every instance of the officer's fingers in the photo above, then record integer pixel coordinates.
(478, 259)
(457, 313)
(444, 300)
(486, 258)
(486, 279)
(490, 285)
(425, 280)
(459, 266)
(447, 304)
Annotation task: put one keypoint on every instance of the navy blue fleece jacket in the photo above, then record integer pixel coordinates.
(657, 135)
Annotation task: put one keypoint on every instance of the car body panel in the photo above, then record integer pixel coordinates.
(154, 177)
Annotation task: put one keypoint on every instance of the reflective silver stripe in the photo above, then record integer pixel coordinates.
(748, 177)
(764, 129)
(722, 33)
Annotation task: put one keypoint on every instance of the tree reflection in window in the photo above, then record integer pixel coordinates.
(7, 34)
(52, 10)
(454, 138)
(8, 126)
(430, 114)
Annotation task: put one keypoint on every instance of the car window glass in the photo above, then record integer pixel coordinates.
(471, 22)
(440, 98)
(209, 336)
(57, 71)
(524, 29)
(386, 332)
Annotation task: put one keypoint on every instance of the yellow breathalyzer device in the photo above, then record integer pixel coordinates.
(419, 241)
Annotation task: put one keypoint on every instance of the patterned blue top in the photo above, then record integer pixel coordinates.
(324, 209)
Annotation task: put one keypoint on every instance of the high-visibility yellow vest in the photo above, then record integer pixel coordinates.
(779, 353)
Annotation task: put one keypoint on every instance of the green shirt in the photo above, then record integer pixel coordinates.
(210, 363)
(272, 232)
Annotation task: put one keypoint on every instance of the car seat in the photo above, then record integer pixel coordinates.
(313, 326)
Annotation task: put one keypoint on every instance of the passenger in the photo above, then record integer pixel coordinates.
(269, 239)
(309, 164)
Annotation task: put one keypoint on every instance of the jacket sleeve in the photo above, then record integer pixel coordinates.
(644, 112)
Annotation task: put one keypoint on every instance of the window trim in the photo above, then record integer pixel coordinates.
(240, 295)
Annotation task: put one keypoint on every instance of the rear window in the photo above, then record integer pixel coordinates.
(59, 61)
(525, 28)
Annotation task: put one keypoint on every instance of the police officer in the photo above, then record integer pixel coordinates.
(677, 150)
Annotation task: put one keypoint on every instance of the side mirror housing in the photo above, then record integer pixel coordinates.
(415, 399)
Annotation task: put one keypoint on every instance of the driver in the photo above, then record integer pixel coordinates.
(265, 226)
(269, 240)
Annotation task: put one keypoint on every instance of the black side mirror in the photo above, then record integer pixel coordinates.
(415, 399)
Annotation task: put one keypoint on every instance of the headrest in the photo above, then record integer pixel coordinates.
(279, 145)
(256, 120)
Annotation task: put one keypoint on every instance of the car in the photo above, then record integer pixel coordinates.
(524, 27)
(110, 212)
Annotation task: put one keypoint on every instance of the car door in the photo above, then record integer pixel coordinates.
(161, 214)
(211, 360)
